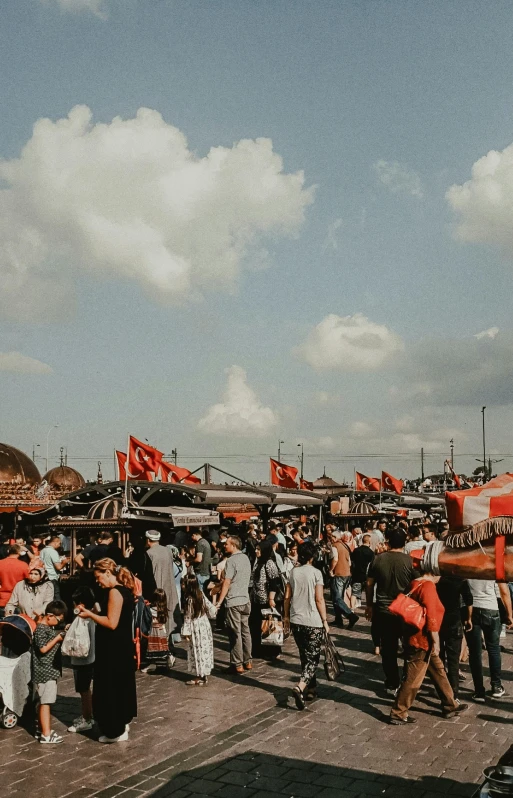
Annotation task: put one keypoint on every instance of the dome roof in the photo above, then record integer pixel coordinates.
(109, 508)
(326, 482)
(16, 468)
(64, 477)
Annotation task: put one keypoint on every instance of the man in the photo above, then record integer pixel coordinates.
(392, 572)
(416, 541)
(203, 558)
(429, 533)
(453, 592)
(12, 571)
(235, 591)
(340, 573)
(54, 563)
(485, 622)
(361, 559)
(106, 548)
(161, 559)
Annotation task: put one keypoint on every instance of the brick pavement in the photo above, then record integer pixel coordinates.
(240, 738)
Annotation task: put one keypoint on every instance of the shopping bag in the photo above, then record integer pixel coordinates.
(272, 628)
(333, 662)
(76, 641)
(412, 613)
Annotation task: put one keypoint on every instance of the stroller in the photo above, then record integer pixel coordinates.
(15, 662)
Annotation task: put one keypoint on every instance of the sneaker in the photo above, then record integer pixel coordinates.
(498, 692)
(393, 721)
(392, 691)
(52, 739)
(479, 697)
(121, 739)
(80, 725)
(451, 713)
(462, 676)
(353, 620)
(171, 659)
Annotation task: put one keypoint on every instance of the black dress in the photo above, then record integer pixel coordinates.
(114, 694)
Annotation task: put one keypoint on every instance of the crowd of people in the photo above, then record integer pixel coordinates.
(259, 585)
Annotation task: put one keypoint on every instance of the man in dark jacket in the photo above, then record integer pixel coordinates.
(361, 559)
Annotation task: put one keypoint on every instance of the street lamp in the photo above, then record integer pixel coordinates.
(34, 447)
(279, 450)
(452, 453)
(54, 426)
(484, 444)
(302, 458)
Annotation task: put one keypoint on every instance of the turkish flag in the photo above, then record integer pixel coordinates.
(391, 483)
(305, 485)
(121, 458)
(283, 475)
(367, 483)
(173, 473)
(142, 458)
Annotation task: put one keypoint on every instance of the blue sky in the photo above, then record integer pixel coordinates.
(383, 106)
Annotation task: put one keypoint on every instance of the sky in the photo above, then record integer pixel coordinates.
(230, 223)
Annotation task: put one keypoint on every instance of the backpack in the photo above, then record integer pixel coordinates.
(142, 620)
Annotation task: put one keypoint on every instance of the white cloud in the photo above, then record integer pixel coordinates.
(96, 7)
(492, 332)
(325, 399)
(240, 412)
(129, 200)
(349, 343)
(331, 240)
(398, 178)
(17, 363)
(361, 429)
(484, 204)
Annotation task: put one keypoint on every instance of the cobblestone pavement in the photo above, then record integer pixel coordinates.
(241, 738)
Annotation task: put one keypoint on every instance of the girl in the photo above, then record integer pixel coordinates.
(157, 652)
(197, 630)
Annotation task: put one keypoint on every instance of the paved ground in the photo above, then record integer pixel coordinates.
(237, 739)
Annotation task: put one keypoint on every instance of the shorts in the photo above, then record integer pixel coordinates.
(47, 692)
(83, 676)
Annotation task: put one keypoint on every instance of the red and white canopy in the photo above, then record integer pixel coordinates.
(468, 507)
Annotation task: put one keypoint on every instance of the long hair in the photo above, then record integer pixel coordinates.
(193, 596)
(123, 575)
(266, 554)
(159, 601)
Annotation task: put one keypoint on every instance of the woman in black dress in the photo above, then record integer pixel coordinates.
(114, 694)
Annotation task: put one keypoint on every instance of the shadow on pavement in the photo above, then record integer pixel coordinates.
(258, 775)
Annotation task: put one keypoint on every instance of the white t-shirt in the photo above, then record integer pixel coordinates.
(483, 593)
(49, 557)
(415, 545)
(303, 609)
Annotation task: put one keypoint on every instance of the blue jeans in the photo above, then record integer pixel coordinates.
(203, 580)
(339, 585)
(486, 623)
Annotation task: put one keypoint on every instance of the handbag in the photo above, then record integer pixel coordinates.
(412, 613)
(272, 628)
(333, 662)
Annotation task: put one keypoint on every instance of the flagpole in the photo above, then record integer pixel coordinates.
(126, 469)
(116, 471)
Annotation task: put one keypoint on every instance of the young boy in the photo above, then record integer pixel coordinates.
(83, 666)
(46, 666)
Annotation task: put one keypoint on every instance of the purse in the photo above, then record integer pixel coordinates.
(333, 662)
(412, 613)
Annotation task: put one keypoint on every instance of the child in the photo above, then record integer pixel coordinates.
(197, 630)
(83, 666)
(157, 648)
(46, 666)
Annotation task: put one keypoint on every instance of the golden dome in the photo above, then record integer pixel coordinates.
(64, 477)
(16, 468)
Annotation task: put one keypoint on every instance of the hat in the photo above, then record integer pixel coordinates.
(152, 534)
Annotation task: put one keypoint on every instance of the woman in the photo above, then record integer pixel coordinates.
(114, 694)
(422, 655)
(31, 595)
(290, 560)
(266, 593)
(305, 614)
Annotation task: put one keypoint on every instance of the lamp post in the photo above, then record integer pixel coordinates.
(279, 450)
(484, 445)
(452, 453)
(302, 458)
(34, 447)
(54, 426)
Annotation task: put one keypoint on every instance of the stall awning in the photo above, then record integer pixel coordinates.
(219, 496)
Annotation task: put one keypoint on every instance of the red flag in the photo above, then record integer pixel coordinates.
(305, 485)
(142, 458)
(283, 475)
(173, 473)
(467, 507)
(121, 458)
(391, 483)
(367, 483)
(455, 477)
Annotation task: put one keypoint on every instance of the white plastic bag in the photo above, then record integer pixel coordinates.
(77, 641)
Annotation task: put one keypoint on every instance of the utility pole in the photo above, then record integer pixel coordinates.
(452, 453)
(34, 445)
(207, 473)
(484, 445)
(302, 458)
(422, 464)
(174, 455)
(279, 450)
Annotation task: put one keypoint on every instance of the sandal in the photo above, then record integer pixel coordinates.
(299, 698)
(53, 738)
(196, 682)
